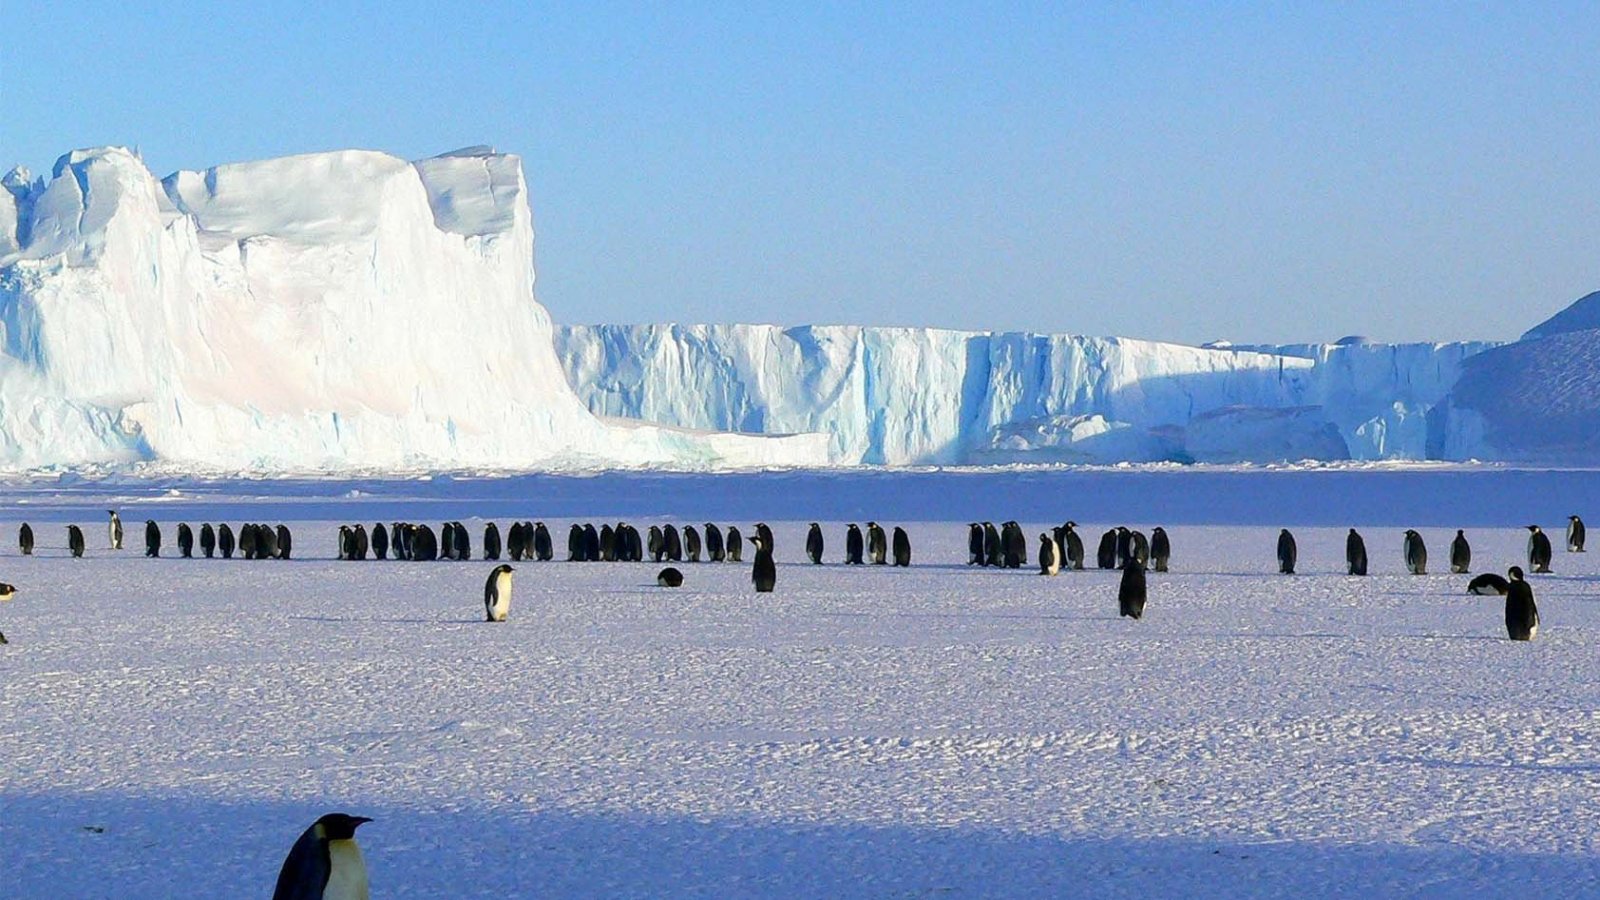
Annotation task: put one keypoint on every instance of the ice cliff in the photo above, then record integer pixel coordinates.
(899, 395)
(334, 310)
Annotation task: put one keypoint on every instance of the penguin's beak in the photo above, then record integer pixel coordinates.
(358, 821)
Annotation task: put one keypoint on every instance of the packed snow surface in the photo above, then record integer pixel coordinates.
(172, 725)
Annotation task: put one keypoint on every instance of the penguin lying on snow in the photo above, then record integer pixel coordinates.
(1488, 584)
(325, 863)
(669, 577)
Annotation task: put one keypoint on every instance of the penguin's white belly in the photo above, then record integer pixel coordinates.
(501, 606)
(348, 878)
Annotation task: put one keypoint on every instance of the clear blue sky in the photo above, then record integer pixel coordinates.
(1269, 172)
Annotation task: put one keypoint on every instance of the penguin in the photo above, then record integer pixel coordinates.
(714, 549)
(854, 546)
(380, 541)
(267, 542)
(974, 543)
(247, 541)
(152, 538)
(491, 542)
(1488, 585)
(225, 540)
(1124, 541)
(1049, 558)
(993, 551)
(358, 542)
(877, 545)
(325, 863)
(763, 572)
(635, 550)
(208, 540)
(1460, 554)
(463, 542)
(575, 543)
(515, 539)
(691, 543)
(75, 540)
(1416, 553)
(735, 544)
(1355, 553)
(1073, 548)
(672, 543)
(25, 539)
(814, 544)
(7, 591)
(1160, 549)
(1522, 614)
(346, 545)
(1139, 547)
(185, 540)
(285, 542)
(1106, 554)
(424, 543)
(542, 550)
(1538, 551)
(1014, 546)
(902, 547)
(1575, 534)
(608, 543)
(114, 530)
(1286, 552)
(669, 577)
(497, 593)
(656, 542)
(400, 540)
(1131, 591)
(447, 541)
(591, 543)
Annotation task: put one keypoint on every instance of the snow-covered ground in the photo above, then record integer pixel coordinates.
(168, 727)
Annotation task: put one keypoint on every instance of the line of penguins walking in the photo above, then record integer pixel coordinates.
(253, 540)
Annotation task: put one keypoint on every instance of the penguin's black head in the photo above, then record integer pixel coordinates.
(340, 826)
(503, 568)
(1072, 524)
(1515, 572)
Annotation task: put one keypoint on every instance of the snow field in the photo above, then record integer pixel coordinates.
(863, 731)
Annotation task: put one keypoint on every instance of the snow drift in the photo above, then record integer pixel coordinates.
(333, 310)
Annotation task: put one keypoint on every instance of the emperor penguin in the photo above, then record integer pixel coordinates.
(1139, 547)
(1488, 585)
(114, 530)
(424, 543)
(1575, 534)
(247, 541)
(185, 540)
(463, 545)
(657, 544)
(1287, 552)
(267, 542)
(764, 572)
(7, 591)
(814, 544)
(380, 541)
(325, 863)
(715, 552)
(208, 540)
(1049, 558)
(854, 546)
(346, 543)
(1355, 553)
(993, 552)
(691, 543)
(1124, 544)
(75, 540)
(1416, 553)
(25, 539)
(1015, 545)
(285, 542)
(1073, 547)
(764, 532)
(735, 545)
(1538, 551)
(542, 549)
(1522, 614)
(877, 544)
(515, 541)
(672, 543)
(491, 542)
(1460, 553)
(591, 543)
(608, 543)
(902, 547)
(669, 577)
(1131, 591)
(1106, 554)
(974, 544)
(575, 543)
(1160, 549)
(152, 538)
(497, 593)
(225, 540)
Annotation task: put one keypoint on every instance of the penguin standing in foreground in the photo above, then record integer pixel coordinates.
(1522, 614)
(764, 572)
(1460, 554)
(1287, 551)
(814, 544)
(152, 538)
(1538, 551)
(325, 863)
(75, 540)
(1488, 585)
(1160, 549)
(1049, 555)
(1416, 553)
(497, 593)
(854, 546)
(1355, 553)
(1575, 534)
(208, 540)
(902, 547)
(25, 539)
(185, 540)
(114, 529)
(1131, 592)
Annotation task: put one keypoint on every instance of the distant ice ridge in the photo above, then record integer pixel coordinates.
(905, 395)
(329, 311)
